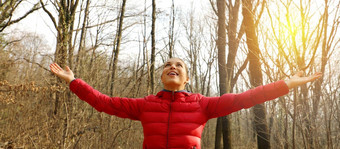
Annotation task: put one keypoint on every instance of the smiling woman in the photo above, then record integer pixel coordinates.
(175, 75)
(175, 118)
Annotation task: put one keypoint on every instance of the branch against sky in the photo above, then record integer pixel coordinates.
(7, 10)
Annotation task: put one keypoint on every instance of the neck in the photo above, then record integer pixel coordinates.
(175, 91)
(174, 88)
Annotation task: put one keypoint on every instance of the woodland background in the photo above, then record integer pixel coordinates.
(118, 47)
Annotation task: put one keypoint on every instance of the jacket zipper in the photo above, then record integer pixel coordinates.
(167, 133)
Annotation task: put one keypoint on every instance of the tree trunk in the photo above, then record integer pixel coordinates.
(153, 48)
(255, 75)
(230, 79)
(233, 42)
(221, 44)
(63, 54)
(171, 30)
(64, 29)
(318, 84)
(116, 51)
(79, 60)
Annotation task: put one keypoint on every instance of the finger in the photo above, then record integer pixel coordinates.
(67, 68)
(52, 68)
(315, 76)
(58, 67)
(55, 68)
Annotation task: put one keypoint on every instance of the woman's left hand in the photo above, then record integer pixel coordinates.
(298, 79)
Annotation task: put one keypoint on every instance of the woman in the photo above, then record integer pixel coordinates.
(175, 118)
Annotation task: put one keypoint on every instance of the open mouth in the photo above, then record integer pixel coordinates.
(172, 73)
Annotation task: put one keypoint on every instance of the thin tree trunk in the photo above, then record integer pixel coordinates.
(79, 60)
(116, 53)
(171, 29)
(145, 51)
(153, 48)
(70, 44)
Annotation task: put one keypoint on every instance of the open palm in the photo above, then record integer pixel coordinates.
(298, 79)
(66, 74)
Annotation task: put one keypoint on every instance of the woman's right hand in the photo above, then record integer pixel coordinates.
(66, 74)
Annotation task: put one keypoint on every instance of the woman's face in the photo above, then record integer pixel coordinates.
(174, 76)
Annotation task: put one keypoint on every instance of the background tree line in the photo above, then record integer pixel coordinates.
(118, 48)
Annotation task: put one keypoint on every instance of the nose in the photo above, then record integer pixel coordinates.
(173, 66)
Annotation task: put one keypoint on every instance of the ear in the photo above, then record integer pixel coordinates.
(162, 78)
(187, 81)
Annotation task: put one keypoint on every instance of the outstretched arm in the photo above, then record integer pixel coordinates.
(228, 103)
(298, 79)
(121, 107)
(66, 74)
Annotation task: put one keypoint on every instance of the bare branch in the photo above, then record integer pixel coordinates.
(50, 15)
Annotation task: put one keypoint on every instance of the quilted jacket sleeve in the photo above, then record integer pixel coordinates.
(121, 107)
(228, 103)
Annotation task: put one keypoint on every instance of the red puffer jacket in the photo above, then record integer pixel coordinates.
(175, 119)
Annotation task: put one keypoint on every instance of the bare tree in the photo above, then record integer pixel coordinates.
(234, 36)
(153, 48)
(64, 47)
(63, 56)
(193, 32)
(79, 60)
(117, 48)
(64, 27)
(221, 44)
(326, 51)
(302, 45)
(255, 74)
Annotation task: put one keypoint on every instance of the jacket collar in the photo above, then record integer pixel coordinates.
(176, 91)
(178, 95)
